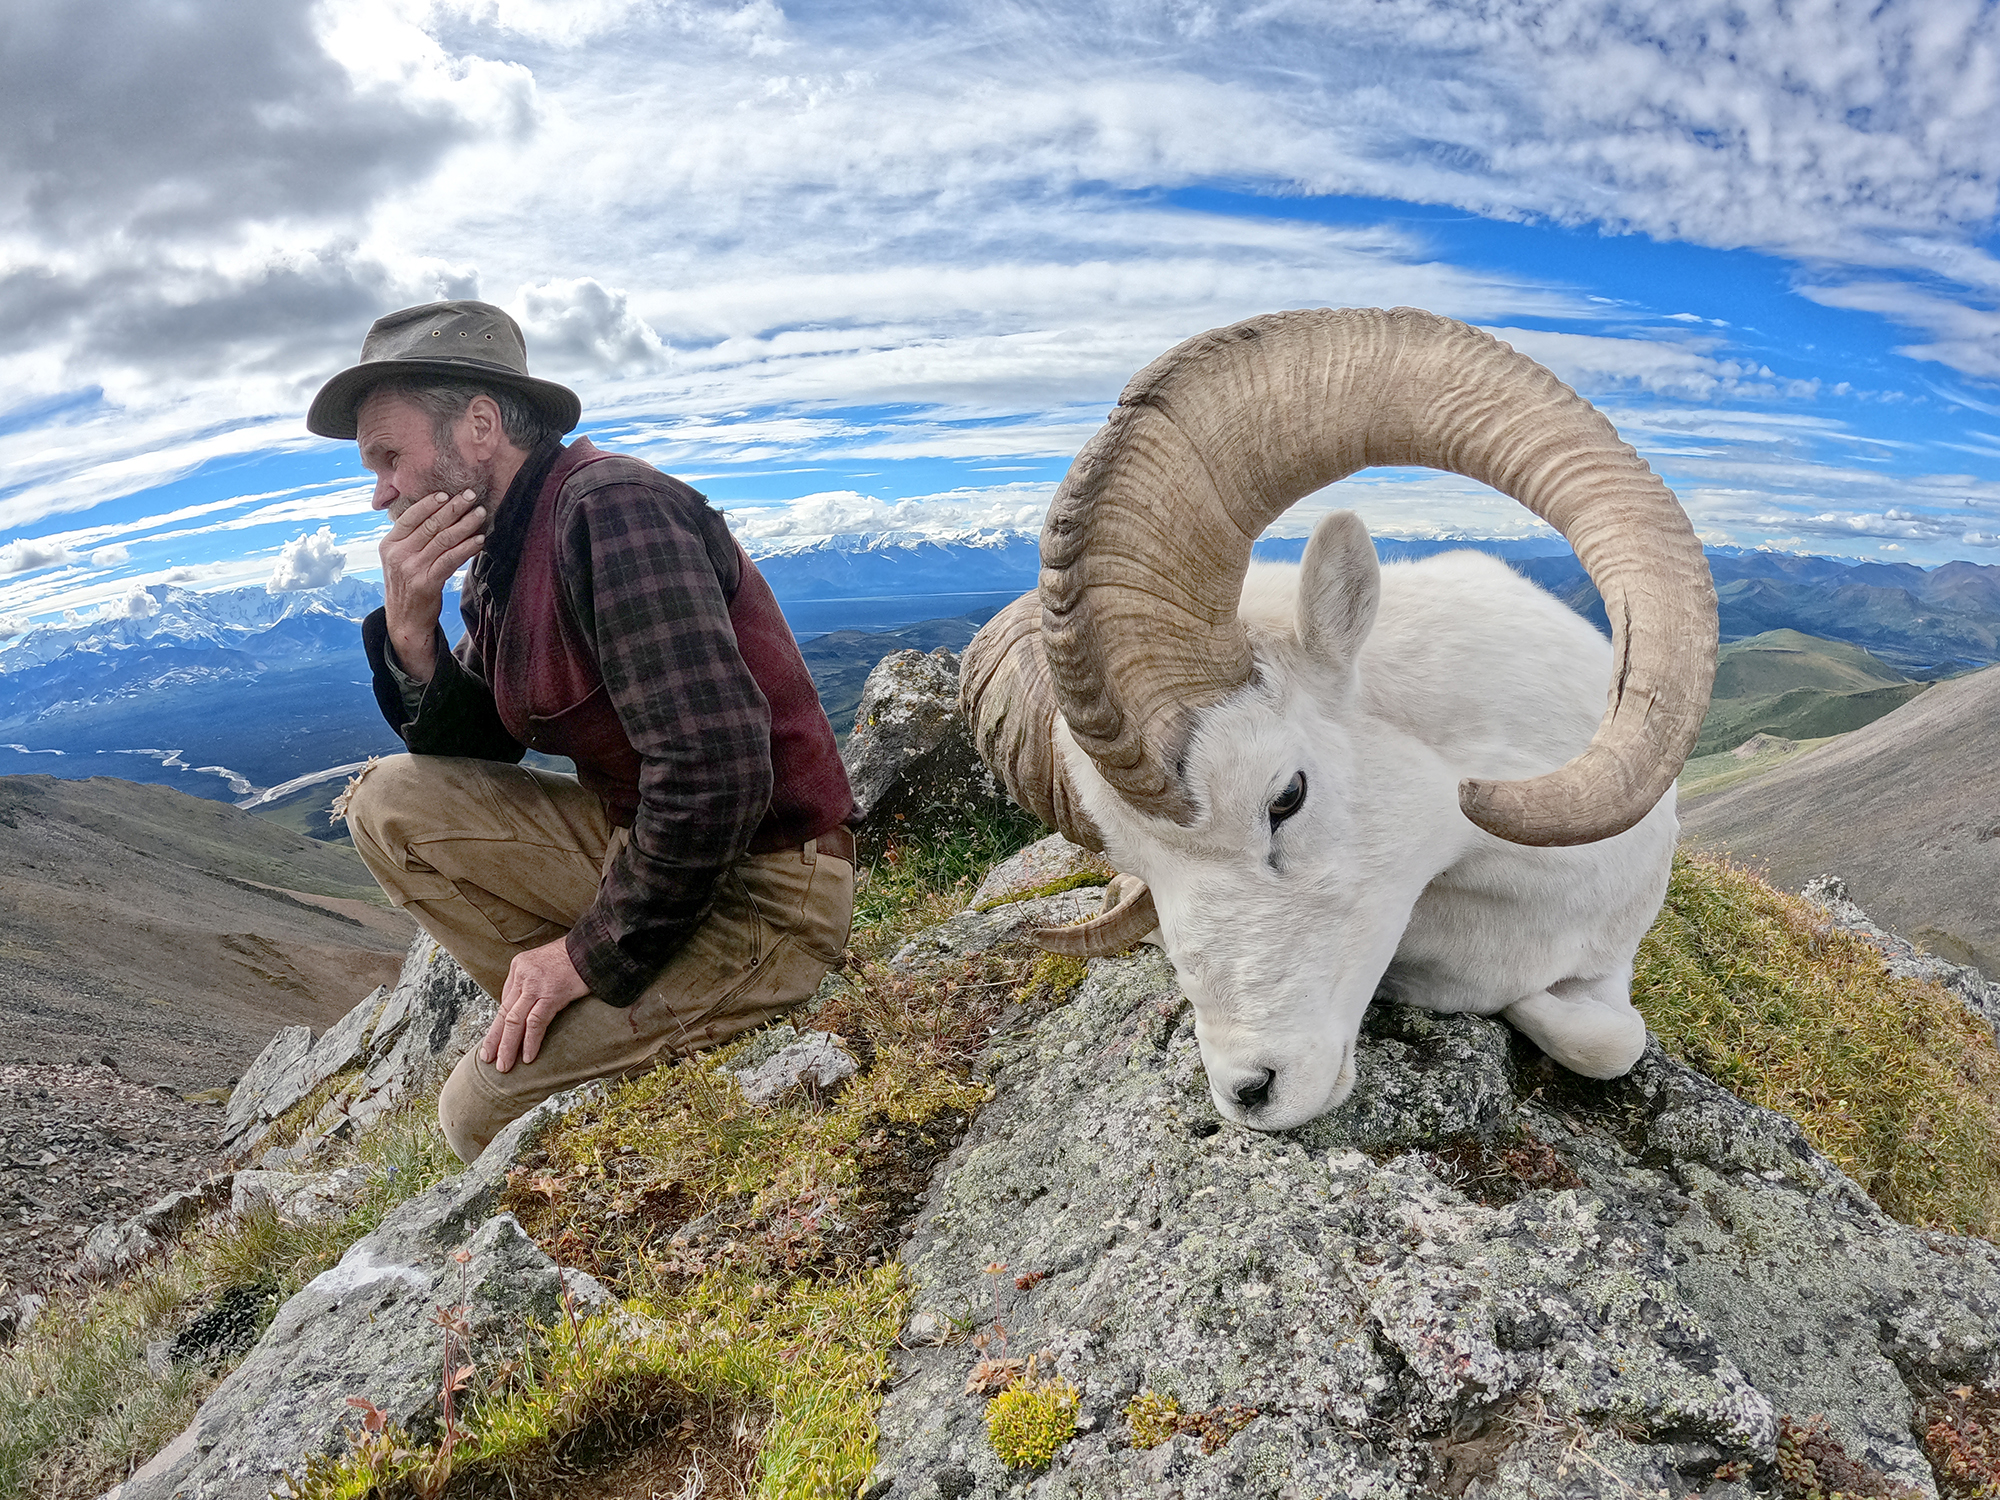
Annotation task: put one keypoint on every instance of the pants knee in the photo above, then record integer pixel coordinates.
(373, 793)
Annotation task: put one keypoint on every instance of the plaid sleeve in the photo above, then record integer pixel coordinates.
(649, 580)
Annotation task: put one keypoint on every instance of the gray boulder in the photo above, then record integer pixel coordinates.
(910, 758)
(116, 1247)
(398, 1042)
(816, 1060)
(269, 1086)
(364, 1328)
(1044, 863)
(1479, 1276)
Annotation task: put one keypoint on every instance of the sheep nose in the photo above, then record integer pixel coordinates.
(1252, 1096)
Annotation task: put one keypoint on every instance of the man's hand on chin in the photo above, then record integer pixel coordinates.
(540, 982)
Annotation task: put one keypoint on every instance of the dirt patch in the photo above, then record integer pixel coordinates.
(80, 1144)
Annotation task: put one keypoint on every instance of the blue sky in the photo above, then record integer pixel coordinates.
(863, 267)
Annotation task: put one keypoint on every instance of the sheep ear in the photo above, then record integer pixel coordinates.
(1340, 584)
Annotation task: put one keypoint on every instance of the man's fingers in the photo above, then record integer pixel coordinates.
(455, 559)
(538, 1027)
(417, 513)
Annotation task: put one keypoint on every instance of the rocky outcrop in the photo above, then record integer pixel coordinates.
(392, 1047)
(1045, 865)
(366, 1329)
(1902, 957)
(910, 758)
(395, 1044)
(1480, 1276)
(118, 1246)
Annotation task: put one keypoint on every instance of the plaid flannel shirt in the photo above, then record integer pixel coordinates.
(648, 571)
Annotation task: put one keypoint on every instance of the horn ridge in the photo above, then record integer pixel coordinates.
(1149, 536)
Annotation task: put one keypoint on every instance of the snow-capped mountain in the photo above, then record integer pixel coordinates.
(226, 619)
(227, 692)
(892, 563)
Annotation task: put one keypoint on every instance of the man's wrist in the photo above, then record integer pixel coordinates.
(415, 657)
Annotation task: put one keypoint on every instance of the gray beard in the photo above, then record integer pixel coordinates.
(452, 474)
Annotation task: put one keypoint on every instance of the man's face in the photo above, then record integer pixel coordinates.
(400, 450)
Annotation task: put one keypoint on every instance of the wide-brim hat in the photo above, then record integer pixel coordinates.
(462, 340)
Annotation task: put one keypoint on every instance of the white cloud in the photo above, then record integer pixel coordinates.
(25, 556)
(113, 556)
(308, 562)
(136, 604)
(849, 513)
(1686, 368)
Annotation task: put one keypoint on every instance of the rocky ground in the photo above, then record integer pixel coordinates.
(80, 1144)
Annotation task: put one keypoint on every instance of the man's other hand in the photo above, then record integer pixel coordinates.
(431, 540)
(540, 982)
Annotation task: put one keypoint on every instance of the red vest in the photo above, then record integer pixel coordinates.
(551, 696)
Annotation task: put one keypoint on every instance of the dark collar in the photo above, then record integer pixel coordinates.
(493, 570)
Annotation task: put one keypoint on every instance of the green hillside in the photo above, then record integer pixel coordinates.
(1797, 687)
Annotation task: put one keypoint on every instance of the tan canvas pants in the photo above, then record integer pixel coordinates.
(493, 859)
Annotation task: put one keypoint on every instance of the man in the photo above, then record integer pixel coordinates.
(697, 876)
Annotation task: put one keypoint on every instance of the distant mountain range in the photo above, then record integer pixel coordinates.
(225, 694)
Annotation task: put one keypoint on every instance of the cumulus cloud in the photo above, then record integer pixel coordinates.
(110, 557)
(308, 562)
(24, 556)
(11, 627)
(136, 604)
(198, 114)
(581, 325)
(1688, 369)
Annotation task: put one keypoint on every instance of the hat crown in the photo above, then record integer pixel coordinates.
(475, 332)
(452, 340)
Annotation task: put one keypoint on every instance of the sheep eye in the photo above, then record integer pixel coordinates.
(1290, 800)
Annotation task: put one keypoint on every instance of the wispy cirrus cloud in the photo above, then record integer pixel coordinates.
(896, 245)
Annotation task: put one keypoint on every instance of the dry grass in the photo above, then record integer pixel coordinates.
(79, 1407)
(1891, 1078)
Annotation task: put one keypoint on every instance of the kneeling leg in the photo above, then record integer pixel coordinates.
(1587, 1025)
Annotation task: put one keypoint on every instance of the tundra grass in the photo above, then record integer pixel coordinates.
(918, 883)
(79, 1406)
(751, 1249)
(1891, 1078)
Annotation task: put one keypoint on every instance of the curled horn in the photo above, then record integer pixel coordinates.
(1148, 540)
(1009, 704)
(1127, 916)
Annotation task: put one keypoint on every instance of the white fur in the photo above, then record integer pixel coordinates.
(1379, 883)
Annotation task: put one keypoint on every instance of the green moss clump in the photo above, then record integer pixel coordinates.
(1028, 1422)
(1056, 975)
(1891, 1078)
(1153, 1418)
(1074, 881)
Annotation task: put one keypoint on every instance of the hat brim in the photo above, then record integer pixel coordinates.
(332, 413)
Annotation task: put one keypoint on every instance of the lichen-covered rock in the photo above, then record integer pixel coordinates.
(910, 759)
(269, 1086)
(116, 1247)
(365, 1329)
(1044, 864)
(397, 1043)
(1480, 1275)
(296, 1196)
(973, 932)
(815, 1060)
